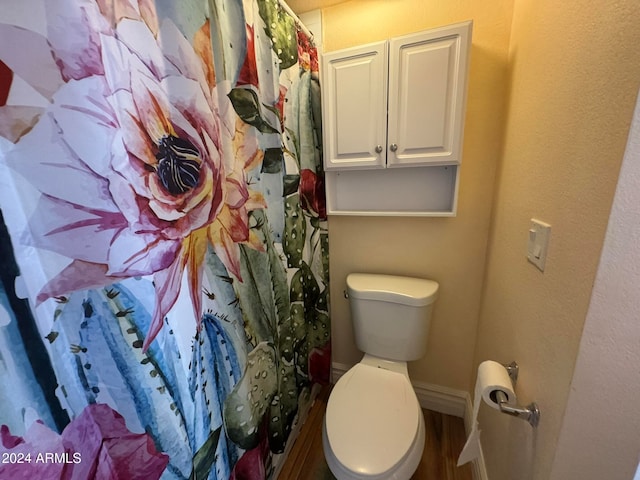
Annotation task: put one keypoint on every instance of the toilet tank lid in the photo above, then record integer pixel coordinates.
(392, 288)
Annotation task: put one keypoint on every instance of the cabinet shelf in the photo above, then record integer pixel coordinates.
(417, 191)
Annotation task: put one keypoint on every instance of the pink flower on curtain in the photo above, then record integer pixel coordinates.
(140, 158)
(307, 55)
(320, 364)
(6, 77)
(96, 444)
(251, 465)
(312, 196)
(249, 72)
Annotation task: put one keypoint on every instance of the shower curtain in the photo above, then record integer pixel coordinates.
(164, 296)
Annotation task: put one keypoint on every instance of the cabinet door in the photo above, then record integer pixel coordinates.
(427, 92)
(354, 101)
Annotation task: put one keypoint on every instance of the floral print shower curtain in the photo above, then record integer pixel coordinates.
(164, 294)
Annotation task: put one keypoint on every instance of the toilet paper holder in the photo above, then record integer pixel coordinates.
(530, 413)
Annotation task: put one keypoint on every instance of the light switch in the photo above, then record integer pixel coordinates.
(537, 251)
(538, 244)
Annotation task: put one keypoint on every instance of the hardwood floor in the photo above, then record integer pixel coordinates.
(445, 438)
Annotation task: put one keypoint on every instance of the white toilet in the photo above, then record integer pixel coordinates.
(373, 426)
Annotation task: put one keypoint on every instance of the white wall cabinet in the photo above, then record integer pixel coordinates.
(397, 103)
(354, 105)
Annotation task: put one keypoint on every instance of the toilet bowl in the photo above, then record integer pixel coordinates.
(373, 427)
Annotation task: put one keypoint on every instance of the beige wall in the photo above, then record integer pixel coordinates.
(608, 444)
(449, 250)
(575, 72)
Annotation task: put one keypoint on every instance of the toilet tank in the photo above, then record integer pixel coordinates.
(391, 314)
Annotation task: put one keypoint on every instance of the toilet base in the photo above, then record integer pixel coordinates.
(403, 470)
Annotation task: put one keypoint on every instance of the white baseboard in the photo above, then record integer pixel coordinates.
(441, 399)
(437, 398)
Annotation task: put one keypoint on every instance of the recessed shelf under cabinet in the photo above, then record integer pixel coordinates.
(419, 191)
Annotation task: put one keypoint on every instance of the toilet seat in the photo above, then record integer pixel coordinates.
(372, 420)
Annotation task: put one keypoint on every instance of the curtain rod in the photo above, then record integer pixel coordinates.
(299, 23)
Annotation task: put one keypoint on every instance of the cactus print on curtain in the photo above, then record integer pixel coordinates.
(164, 296)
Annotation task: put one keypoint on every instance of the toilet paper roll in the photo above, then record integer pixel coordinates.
(492, 377)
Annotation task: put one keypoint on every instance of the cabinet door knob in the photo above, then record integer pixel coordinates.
(393, 147)
(378, 148)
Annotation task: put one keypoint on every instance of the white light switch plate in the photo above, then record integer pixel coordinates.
(539, 233)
